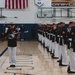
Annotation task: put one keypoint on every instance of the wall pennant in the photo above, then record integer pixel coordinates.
(39, 2)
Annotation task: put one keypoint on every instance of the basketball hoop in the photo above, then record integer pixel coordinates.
(45, 18)
(45, 15)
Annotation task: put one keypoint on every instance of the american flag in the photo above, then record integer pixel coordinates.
(16, 4)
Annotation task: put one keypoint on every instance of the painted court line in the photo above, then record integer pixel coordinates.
(3, 62)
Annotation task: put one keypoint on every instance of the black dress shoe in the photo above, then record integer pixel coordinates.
(62, 65)
(58, 60)
(68, 70)
(12, 65)
(47, 49)
(51, 52)
(55, 57)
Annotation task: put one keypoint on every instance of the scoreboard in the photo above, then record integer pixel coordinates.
(63, 3)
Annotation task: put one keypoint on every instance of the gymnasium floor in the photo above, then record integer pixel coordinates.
(32, 59)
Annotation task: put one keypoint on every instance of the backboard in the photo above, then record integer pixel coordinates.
(2, 3)
(44, 13)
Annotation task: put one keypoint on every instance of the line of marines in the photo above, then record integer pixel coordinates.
(59, 40)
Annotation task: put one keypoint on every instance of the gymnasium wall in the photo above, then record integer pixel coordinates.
(27, 27)
(29, 15)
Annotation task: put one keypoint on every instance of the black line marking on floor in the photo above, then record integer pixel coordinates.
(29, 55)
(18, 73)
(9, 68)
(3, 62)
(9, 72)
(4, 51)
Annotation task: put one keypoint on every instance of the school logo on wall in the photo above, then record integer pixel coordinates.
(39, 2)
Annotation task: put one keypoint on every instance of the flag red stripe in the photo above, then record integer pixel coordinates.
(5, 3)
(8, 4)
(12, 4)
(26, 3)
(20, 4)
(16, 4)
(23, 4)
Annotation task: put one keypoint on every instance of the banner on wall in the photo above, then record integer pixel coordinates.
(39, 2)
(63, 3)
(16, 4)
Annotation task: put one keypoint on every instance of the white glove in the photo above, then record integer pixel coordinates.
(12, 35)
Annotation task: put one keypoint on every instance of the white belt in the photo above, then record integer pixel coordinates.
(49, 33)
(53, 35)
(57, 35)
(61, 36)
(70, 39)
(43, 32)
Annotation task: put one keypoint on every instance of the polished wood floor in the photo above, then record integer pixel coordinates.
(32, 59)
